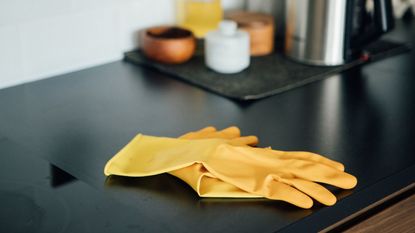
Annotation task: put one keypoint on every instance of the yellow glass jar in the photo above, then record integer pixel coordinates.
(199, 16)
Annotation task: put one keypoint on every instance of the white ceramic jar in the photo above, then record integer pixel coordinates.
(227, 49)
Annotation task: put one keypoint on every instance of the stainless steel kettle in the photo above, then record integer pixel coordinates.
(333, 32)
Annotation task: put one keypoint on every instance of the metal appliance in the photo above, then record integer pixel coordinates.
(333, 32)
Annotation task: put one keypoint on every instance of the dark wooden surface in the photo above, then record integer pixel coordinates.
(363, 118)
(397, 218)
(369, 215)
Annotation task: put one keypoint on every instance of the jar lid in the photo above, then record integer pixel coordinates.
(228, 27)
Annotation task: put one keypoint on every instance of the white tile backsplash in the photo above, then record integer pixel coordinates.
(43, 38)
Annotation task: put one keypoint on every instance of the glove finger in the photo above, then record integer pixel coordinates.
(316, 191)
(232, 133)
(319, 173)
(309, 156)
(246, 140)
(279, 191)
(202, 133)
(207, 129)
(229, 133)
(211, 132)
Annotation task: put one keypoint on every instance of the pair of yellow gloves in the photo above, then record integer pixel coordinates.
(225, 164)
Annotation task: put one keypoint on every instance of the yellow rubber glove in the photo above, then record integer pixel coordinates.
(206, 185)
(202, 181)
(269, 173)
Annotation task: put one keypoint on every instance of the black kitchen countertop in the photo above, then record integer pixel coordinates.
(57, 134)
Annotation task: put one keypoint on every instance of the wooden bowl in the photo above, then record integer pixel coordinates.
(167, 44)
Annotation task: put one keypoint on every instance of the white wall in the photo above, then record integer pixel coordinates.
(43, 38)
